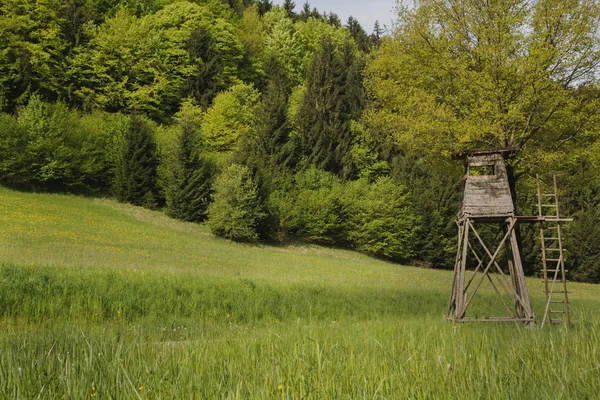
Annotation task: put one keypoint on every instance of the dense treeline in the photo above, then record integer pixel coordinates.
(273, 125)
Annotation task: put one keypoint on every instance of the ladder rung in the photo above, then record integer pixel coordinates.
(551, 249)
(548, 195)
(551, 238)
(558, 291)
(557, 302)
(557, 311)
(553, 259)
(549, 205)
(551, 227)
(553, 270)
(556, 321)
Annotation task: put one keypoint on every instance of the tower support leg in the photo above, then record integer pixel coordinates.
(514, 286)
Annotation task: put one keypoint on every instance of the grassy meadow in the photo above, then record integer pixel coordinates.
(105, 300)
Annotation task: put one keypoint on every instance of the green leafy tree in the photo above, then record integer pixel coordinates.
(32, 50)
(15, 162)
(148, 64)
(136, 165)
(380, 219)
(119, 69)
(236, 210)
(230, 117)
(62, 153)
(317, 206)
(506, 74)
(295, 44)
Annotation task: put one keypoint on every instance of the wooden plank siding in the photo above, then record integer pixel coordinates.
(486, 196)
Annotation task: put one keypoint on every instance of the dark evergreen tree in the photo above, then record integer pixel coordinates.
(188, 191)
(435, 193)
(205, 84)
(334, 98)
(136, 165)
(358, 34)
(333, 19)
(289, 6)
(306, 11)
(264, 6)
(377, 34)
(76, 14)
(583, 246)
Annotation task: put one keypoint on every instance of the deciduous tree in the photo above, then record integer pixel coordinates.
(501, 74)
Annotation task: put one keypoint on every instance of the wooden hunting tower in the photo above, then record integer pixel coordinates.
(487, 199)
(486, 191)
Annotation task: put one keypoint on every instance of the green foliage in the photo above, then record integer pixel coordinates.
(230, 117)
(333, 98)
(318, 206)
(434, 191)
(203, 85)
(365, 153)
(583, 246)
(380, 219)
(136, 165)
(189, 177)
(507, 75)
(236, 211)
(14, 160)
(32, 46)
(49, 147)
(268, 148)
(358, 34)
(295, 44)
(145, 64)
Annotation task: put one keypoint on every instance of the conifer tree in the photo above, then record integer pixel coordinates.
(136, 165)
(269, 148)
(188, 191)
(358, 34)
(334, 97)
(306, 12)
(288, 6)
(377, 34)
(264, 6)
(236, 210)
(204, 84)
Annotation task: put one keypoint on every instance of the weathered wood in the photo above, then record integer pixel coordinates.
(487, 198)
(486, 195)
(552, 265)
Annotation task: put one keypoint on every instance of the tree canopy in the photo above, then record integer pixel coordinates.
(505, 74)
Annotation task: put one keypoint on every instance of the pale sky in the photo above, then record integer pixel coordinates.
(365, 11)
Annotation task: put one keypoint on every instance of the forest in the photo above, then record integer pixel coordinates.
(271, 125)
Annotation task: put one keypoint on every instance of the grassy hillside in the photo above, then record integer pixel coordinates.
(101, 299)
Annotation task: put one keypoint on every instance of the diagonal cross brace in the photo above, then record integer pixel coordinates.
(490, 263)
(508, 233)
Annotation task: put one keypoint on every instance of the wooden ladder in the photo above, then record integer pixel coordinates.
(555, 282)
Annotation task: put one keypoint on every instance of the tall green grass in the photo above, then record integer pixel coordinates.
(100, 299)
